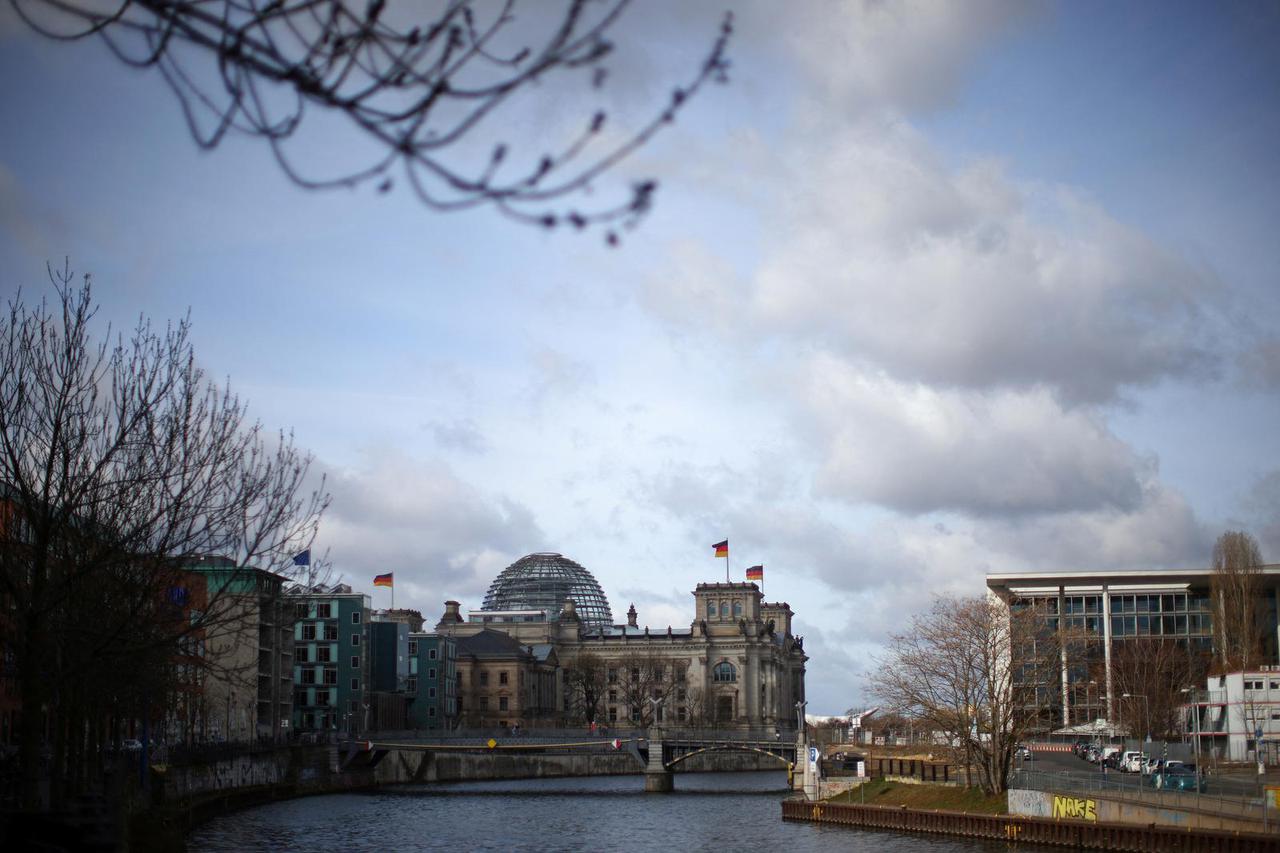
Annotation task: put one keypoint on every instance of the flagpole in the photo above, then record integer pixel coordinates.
(726, 565)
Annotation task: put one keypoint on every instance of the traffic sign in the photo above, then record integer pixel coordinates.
(616, 743)
(492, 743)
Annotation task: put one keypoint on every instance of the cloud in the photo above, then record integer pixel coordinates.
(1263, 508)
(442, 536)
(879, 252)
(460, 434)
(909, 55)
(1260, 364)
(918, 449)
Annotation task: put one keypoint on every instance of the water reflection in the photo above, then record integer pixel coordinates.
(708, 811)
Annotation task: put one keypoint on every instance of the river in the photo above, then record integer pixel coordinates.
(707, 811)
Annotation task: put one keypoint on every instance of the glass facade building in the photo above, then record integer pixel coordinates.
(543, 582)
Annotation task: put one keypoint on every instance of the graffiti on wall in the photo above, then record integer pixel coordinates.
(1076, 808)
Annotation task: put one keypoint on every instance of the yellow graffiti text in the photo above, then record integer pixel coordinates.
(1074, 807)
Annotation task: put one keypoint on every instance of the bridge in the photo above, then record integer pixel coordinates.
(657, 752)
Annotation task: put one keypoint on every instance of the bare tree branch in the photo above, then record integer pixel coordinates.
(426, 91)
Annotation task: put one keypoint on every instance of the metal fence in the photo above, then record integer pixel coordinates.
(1228, 799)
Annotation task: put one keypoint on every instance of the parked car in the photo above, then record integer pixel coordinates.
(1178, 777)
(1021, 751)
(1131, 762)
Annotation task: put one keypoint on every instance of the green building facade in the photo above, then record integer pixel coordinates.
(433, 681)
(331, 661)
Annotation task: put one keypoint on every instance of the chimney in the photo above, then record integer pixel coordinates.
(631, 617)
(451, 613)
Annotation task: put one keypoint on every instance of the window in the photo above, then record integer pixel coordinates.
(682, 674)
(431, 654)
(711, 610)
(635, 674)
(484, 678)
(484, 703)
(323, 654)
(737, 608)
(324, 610)
(355, 661)
(431, 673)
(1274, 685)
(613, 675)
(355, 639)
(613, 714)
(635, 715)
(502, 679)
(300, 654)
(355, 684)
(299, 697)
(724, 671)
(331, 632)
(413, 648)
(681, 714)
(724, 610)
(502, 703)
(431, 712)
(308, 632)
(330, 675)
(431, 693)
(411, 685)
(322, 697)
(308, 676)
(300, 611)
(613, 696)
(659, 673)
(355, 618)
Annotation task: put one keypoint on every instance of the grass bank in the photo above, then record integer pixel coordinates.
(878, 792)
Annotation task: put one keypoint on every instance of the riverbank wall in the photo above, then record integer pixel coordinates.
(1079, 835)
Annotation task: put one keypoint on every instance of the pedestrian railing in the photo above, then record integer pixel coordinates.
(1134, 788)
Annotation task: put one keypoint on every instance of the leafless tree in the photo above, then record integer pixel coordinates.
(1236, 586)
(121, 464)
(648, 682)
(1148, 676)
(976, 671)
(429, 92)
(585, 686)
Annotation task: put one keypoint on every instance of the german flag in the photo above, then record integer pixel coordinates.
(722, 549)
(388, 579)
(755, 573)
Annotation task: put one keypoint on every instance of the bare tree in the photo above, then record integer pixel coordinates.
(427, 91)
(585, 686)
(1236, 586)
(648, 685)
(976, 671)
(121, 464)
(1148, 676)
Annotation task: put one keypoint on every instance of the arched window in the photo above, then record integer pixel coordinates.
(737, 609)
(724, 610)
(724, 671)
(711, 610)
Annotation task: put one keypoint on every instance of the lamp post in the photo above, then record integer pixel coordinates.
(1192, 694)
(1146, 716)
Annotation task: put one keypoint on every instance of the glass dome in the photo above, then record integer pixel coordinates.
(543, 582)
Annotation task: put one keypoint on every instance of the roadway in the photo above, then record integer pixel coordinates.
(1071, 766)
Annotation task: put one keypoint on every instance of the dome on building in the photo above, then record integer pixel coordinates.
(543, 582)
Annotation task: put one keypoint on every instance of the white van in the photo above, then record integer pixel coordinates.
(1132, 761)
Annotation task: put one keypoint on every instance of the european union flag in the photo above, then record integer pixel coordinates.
(302, 558)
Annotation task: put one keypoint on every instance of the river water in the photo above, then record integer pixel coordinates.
(708, 811)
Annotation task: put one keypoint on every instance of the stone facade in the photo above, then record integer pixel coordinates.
(737, 665)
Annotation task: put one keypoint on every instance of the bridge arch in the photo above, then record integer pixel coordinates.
(725, 747)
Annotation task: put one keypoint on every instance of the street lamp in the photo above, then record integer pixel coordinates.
(1146, 716)
(1195, 728)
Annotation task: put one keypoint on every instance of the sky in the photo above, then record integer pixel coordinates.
(930, 290)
